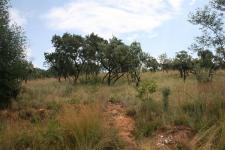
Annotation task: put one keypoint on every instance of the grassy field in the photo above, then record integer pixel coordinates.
(52, 115)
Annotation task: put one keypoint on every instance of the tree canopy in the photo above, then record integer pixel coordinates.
(12, 56)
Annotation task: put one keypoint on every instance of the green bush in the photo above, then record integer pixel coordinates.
(165, 100)
(146, 88)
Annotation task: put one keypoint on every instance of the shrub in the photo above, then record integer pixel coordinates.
(165, 93)
(202, 74)
(146, 88)
(114, 99)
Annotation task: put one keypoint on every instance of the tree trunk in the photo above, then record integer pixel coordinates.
(181, 73)
(109, 79)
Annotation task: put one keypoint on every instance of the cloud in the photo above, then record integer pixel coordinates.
(16, 17)
(110, 17)
(176, 4)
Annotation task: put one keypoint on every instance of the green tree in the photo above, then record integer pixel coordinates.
(68, 58)
(12, 44)
(165, 62)
(205, 66)
(182, 62)
(135, 61)
(92, 64)
(27, 70)
(151, 63)
(113, 57)
(211, 22)
(12, 56)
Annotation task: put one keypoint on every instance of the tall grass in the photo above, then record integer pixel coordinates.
(72, 114)
(200, 106)
(73, 129)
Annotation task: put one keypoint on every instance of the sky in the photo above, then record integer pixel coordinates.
(161, 26)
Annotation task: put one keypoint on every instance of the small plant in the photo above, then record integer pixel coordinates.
(146, 89)
(165, 93)
(114, 99)
(53, 105)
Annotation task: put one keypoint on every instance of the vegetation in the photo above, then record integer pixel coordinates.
(12, 56)
(109, 85)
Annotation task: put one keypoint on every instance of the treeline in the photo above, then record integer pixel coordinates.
(90, 55)
(32, 73)
(76, 55)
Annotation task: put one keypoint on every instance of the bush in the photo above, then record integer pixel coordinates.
(146, 88)
(202, 74)
(165, 93)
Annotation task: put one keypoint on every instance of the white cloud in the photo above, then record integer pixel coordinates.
(112, 17)
(176, 4)
(17, 17)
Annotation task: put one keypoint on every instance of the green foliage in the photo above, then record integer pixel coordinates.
(113, 99)
(165, 92)
(146, 88)
(67, 60)
(75, 55)
(211, 21)
(202, 75)
(150, 63)
(182, 62)
(204, 67)
(12, 56)
(165, 62)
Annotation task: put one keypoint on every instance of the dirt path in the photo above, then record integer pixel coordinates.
(115, 116)
(173, 138)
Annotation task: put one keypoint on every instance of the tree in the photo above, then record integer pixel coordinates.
(205, 66)
(92, 64)
(68, 58)
(12, 44)
(27, 70)
(75, 55)
(113, 56)
(164, 62)
(211, 22)
(135, 60)
(151, 63)
(182, 62)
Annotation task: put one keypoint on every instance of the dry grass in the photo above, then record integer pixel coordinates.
(70, 116)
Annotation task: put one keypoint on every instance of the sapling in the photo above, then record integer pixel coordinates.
(166, 92)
